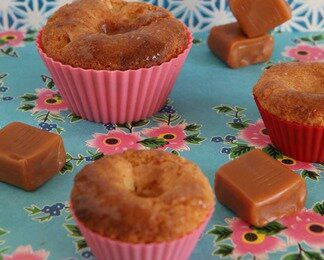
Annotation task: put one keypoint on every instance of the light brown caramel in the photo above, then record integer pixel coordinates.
(258, 17)
(29, 156)
(259, 189)
(229, 44)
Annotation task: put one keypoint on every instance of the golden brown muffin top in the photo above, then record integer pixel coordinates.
(294, 92)
(113, 35)
(142, 196)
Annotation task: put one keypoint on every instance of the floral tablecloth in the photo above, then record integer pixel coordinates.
(210, 119)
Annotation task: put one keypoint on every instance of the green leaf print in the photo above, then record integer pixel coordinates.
(33, 210)
(74, 118)
(29, 39)
(239, 125)
(295, 256)
(220, 232)
(153, 143)
(26, 107)
(140, 123)
(319, 208)
(49, 83)
(196, 41)
(81, 244)
(3, 232)
(167, 118)
(3, 250)
(273, 152)
(194, 139)
(43, 219)
(313, 255)
(223, 109)
(161, 118)
(239, 149)
(68, 167)
(130, 126)
(55, 117)
(223, 250)
(319, 37)
(59, 130)
(239, 109)
(31, 31)
(80, 159)
(311, 175)
(192, 127)
(11, 52)
(2, 76)
(29, 97)
(305, 39)
(304, 255)
(270, 229)
(73, 230)
(95, 156)
(175, 152)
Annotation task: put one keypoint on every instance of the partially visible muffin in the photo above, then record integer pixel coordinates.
(142, 197)
(113, 35)
(294, 92)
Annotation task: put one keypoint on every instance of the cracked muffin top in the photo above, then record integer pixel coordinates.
(113, 35)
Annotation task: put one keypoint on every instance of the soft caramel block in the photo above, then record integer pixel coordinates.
(29, 156)
(258, 17)
(259, 189)
(229, 44)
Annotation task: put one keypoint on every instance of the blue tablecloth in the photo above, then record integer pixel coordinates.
(212, 119)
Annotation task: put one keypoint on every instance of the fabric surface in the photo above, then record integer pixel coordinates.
(199, 15)
(210, 119)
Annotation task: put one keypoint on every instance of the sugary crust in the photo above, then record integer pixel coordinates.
(294, 92)
(142, 197)
(113, 35)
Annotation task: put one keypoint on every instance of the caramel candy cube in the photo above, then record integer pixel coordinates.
(258, 17)
(229, 44)
(259, 189)
(29, 156)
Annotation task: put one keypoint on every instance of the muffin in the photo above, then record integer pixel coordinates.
(114, 61)
(290, 98)
(113, 35)
(150, 198)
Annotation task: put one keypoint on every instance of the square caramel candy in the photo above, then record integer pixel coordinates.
(259, 189)
(29, 156)
(229, 44)
(258, 17)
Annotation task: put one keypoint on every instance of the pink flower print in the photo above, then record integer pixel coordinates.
(27, 253)
(255, 134)
(11, 38)
(305, 52)
(49, 100)
(296, 165)
(114, 142)
(248, 241)
(174, 135)
(306, 226)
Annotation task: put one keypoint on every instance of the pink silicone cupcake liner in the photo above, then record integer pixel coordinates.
(115, 96)
(303, 143)
(104, 248)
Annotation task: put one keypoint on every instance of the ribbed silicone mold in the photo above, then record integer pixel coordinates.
(115, 96)
(104, 248)
(301, 142)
